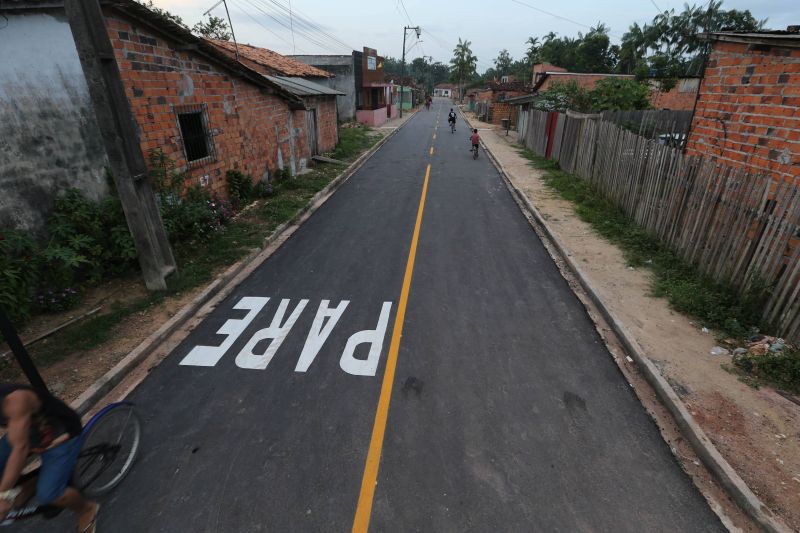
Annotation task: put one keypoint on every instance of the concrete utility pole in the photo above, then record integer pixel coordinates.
(121, 138)
(403, 67)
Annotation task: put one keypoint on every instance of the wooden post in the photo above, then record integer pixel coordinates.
(20, 353)
(121, 138)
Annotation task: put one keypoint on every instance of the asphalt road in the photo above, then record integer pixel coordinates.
(507, 413)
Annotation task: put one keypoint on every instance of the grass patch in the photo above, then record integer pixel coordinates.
(198, 262)
(716, 305)
(353, 141)
(780, 369)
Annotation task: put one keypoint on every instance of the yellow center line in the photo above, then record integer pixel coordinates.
(431, 150)
(434, 136)
(368, 482)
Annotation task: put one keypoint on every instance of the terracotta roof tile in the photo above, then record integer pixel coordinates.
(269, 62)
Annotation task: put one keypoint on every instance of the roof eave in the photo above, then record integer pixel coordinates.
(772, 39)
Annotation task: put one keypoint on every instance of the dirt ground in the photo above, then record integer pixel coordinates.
(757, 431)
(74, 373)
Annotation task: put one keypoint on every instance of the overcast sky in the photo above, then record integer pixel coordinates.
(491, 26)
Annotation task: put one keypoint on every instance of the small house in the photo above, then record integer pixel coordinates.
(306, 82)
(190, 101)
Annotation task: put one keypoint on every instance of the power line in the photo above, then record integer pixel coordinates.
(306, 21)
(308, 36)
(403, 5)
(291, 21)
(560, 17)
(655, 5)
(303, 28)
(551, 14)
(254, 19)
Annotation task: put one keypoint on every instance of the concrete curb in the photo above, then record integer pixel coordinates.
(87, 400)
(705, 449)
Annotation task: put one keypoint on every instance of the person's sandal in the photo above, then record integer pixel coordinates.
(92, 526)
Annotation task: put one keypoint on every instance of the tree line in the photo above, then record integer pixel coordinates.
(668, 47)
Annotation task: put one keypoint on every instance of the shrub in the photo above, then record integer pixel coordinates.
(781, 369)
(263, 189)
(609, 94)
(196, 216)
(88, 240)
(240, 187)
(17, 278)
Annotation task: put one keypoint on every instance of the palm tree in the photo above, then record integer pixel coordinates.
(533, 51)
(463, 64)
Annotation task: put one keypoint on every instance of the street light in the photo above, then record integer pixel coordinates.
(418, 31)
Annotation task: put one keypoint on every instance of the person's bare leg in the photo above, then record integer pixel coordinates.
(28, 489)
(85, 509)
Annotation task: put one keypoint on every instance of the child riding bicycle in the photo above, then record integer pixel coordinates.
(475, 139)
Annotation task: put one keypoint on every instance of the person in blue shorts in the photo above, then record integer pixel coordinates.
(38, 423)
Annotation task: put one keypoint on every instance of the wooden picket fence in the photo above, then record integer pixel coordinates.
(736, 227)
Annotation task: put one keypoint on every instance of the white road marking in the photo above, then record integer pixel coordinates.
(368, 366)
(233, 328)
(276, 332)
(320, 330)
(324, 321)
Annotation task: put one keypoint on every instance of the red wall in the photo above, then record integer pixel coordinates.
(748, 111)
(249, 126)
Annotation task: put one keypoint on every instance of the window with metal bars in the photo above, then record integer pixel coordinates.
(198, 144)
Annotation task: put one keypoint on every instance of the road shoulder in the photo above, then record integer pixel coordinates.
(748, 429)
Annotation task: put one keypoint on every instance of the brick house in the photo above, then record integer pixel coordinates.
(302, 80)
(204, 110)
(207, 112)
(496, 96)
(748, 108)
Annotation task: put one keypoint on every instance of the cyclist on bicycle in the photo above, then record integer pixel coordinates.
(38, 423)
(451, 119)
(475, 139)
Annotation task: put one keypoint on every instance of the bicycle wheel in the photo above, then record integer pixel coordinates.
(109, 448)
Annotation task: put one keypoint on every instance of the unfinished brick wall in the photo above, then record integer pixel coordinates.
(681, 97)
(252, 131)
(747, 112)
(502, 110)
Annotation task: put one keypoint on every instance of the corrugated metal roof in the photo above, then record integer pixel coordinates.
(303, 87)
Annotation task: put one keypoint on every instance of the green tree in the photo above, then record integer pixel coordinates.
(591, 52)
(439, 73)
(534, 51)
(503, 62)
(619, 94)
(463, 65)
(215, 28)
(522, 70)
(670, 45)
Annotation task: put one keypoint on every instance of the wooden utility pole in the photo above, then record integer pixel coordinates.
(121, 138)
(20, 353)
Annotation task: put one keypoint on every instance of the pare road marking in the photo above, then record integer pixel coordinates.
(325, 320)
